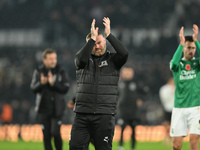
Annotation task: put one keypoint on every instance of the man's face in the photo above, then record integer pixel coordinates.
(127, 73)
(100, 46)
(50, 61)
(189, 50)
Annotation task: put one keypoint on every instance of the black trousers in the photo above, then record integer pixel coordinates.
(99, 127)
(51, 128)
(132, 123)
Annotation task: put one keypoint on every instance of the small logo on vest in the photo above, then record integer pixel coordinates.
(106, 139)
(103, 63)
(194, 63)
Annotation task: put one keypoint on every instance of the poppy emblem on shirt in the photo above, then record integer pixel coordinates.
(187, 67)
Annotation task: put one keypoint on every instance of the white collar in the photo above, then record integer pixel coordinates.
(184, 58)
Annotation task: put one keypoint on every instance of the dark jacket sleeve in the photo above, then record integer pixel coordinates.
(74, 101)
(121, 56)
(36, 85)
(61, 84)
(83, 55)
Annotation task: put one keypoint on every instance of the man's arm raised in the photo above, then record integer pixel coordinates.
(83, 55)
(177, 56)
(195, 37)
(122, 52)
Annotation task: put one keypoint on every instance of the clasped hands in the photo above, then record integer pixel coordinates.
(45, 80)
(94, 30)
(195, 35)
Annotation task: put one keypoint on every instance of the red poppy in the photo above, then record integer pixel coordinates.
(187, 67)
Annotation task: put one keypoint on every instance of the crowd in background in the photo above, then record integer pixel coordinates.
(151, 27)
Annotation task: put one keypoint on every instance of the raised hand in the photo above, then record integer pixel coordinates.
(196, 31)
(94, 31)
(106, 22)
(50, 78)
(43, 79)
(181, 36)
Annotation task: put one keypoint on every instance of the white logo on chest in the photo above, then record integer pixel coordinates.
(186, 75)
(104, 63)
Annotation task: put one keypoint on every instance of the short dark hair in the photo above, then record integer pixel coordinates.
(189, 38)
(47, 51)
(89, 36)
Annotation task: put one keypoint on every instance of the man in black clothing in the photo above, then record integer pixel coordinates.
(130, 100)
(97, 72)
(50, 84)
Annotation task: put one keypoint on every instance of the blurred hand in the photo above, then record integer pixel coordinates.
(94, 31)
(181, 36)
(196, 31)
(106, 22)
(70, 104)
(43, 79)
(139, 102)
(50, 78)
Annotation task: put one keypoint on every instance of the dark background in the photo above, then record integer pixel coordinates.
(149, 29)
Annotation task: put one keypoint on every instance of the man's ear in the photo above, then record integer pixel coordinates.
(43, 60)
(104, 39)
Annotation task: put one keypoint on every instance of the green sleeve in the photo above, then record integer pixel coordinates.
(198, 47)
(176, 58)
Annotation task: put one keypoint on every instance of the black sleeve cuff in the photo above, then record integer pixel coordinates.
(109, 36)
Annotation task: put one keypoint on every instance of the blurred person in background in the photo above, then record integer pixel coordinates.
(186, 73)
(97, 72)
(130, 99)
(49, 83)
(166, 94)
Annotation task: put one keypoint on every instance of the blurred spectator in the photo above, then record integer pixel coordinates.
(130, 99)
(166, 94)
(50, 84)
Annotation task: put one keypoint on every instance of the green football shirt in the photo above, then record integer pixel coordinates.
(186, 78)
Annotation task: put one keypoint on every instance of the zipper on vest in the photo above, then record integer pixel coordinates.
(97, 73)
(96, 93)
(96, 84)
